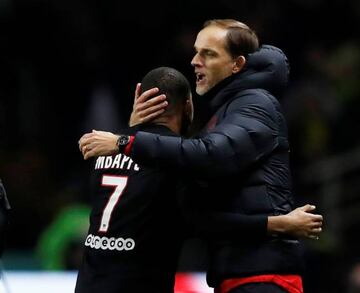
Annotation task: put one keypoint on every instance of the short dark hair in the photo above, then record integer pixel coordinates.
(241, 40)
(170, 82)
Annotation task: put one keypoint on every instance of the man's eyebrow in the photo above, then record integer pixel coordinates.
(209, 50)
(204, 49)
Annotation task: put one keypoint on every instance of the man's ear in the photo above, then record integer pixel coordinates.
(189, 108)
(238, 64)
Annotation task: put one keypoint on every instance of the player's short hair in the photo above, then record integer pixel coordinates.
(241, 40)
(170, 82)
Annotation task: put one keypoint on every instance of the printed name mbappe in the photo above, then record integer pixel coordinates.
(119, 161)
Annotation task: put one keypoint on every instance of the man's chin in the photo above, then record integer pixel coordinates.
(201, 90)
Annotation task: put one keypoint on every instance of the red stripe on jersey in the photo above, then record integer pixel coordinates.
(129, 145)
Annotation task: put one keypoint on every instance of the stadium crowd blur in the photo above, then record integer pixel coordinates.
(71, 66)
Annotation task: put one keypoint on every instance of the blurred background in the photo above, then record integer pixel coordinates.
(67, 67)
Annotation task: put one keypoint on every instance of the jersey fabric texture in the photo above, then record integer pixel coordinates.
(241, 162)
(135, 229)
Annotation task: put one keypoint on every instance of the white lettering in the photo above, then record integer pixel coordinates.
(108, 162)
(119, 161)
(116, 163)
(99, 163)
(112, 243)
(130, 163)
(124, 160)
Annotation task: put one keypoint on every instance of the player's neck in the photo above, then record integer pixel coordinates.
(172, 122)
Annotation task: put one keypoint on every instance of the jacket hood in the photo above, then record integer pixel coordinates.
(267, 68)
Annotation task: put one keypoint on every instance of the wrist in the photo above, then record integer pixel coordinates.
(277, 224)
(124, 143)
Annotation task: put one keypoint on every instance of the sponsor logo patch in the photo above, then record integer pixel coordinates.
(112, 243)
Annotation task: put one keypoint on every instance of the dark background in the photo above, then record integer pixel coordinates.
(67, 67)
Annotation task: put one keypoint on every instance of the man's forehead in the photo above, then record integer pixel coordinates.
(200, 48)
(210, 37)
(210, 47)
(212, 32)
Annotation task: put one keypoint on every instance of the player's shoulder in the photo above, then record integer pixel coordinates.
(153, 128)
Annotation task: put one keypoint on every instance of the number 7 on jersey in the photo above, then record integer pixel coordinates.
(119, 182)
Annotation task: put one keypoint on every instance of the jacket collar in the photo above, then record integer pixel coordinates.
(267, 69)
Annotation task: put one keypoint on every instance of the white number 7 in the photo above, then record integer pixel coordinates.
(119, 182)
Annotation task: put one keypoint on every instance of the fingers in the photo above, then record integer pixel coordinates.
(146, 95)
(318, 218)
(314, 233)
(89, 154)
(88, 151)
(99, 132)
(149, 110)
(86, 136)
(156, 101)
(313, 217)
(85, 148)
(153, 109)
(316, 224)
(315, 237)
(316, 221)
(147, 106)
(307, 208)
(137, 91)
(152, 116)
(85, 143)
(98, 143)
(85, 140)
(316, 230)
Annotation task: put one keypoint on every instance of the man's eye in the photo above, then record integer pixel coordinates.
(210, 54)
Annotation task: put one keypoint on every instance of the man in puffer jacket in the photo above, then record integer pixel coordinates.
(240, 159)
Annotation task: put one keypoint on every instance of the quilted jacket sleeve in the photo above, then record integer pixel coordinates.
(246, 134)
(233, 225)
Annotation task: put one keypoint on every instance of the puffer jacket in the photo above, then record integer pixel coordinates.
(241, 162)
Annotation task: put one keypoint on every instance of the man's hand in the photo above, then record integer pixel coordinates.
(299, 223)
(98, 143)
(147, 106)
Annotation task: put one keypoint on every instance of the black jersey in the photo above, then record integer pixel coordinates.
(135, 230)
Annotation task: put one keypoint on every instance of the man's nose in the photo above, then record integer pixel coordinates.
(196, 60)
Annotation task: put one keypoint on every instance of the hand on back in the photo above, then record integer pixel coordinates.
(302, 222)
